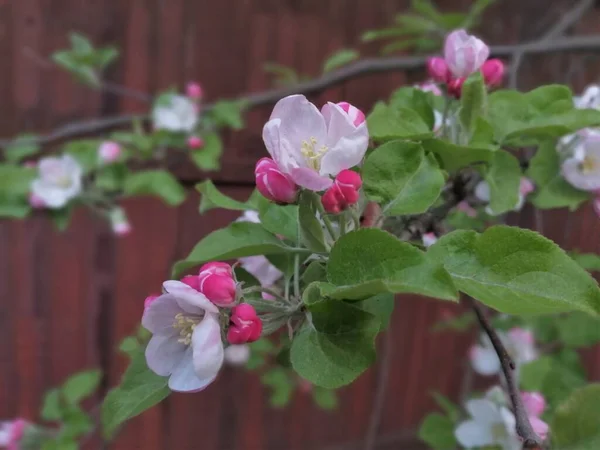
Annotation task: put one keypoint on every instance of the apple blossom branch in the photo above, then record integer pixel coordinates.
(359, 68)
(531, 441)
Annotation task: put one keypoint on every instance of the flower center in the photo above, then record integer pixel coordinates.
(589, 165)
(313, 153)
(498, 431)
(186, 326)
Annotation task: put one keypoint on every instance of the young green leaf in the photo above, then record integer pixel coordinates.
(576, 423)
(454, 157)
(368, 262)
(81, 385)
(503, 177)
(212, 198)
(339, 59)
(281, 220)
(437, 431)
(473, 102)
(228, 113)
(160, 183)
(516, 271)
(325, 398)
(387, 123)
(402, 178)
(51, 408)
(208, 157)
(311, 230)
(381, 306)
(21, 147)
(589, 261)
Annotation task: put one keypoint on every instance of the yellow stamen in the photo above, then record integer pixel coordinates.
(589, 164)
(186, 326)
(312, 154)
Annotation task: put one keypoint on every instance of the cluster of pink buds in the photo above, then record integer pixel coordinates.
(244, 325)
(194, 91)
(215, 281)
(343, 192)
(535, 405)
(464, 54)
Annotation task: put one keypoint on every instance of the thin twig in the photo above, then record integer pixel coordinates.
(380, 394)
(531, 441)
(359, 68)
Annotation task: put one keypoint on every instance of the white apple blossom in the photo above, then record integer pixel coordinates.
(490, 425)
(237, 355)
(176, 113)
(312, 146)
(59, 180)
(582, 169)
(590, 99)
(186, 340)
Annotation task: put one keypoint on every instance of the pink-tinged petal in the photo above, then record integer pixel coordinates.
(540, 427)
(484, 411)
(273, 142)
(347, 153)
(160, 314)
(485, 361)
(300, 120)
(163, 354)
(188, 298)
(310, 179)
(472, 434)
(208, 348)
(183, 378)
(339, 123)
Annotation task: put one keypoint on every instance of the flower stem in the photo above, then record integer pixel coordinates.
(326, 219)
(343, 218)
(265, 290)
(297, 277)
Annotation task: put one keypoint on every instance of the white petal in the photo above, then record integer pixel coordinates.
(53, 197)
(484, 411)
(163, 354)
(237, 355)
(482, 191)
(338, 122)
(159, 316)
(208, 348)
(188, 298)
(184, 379)
(260, 267)
(485, 361)
(249, 216)
(348, 152)
(471, 434)
(509, 420)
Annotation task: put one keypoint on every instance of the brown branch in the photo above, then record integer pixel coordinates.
(359, 68)
(380, 394)
(531, 441)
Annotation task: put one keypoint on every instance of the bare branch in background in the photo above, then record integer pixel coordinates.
(362, 67)
(531, 441)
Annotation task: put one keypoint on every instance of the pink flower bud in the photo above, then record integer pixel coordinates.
(455, 87)
(429, 239)
(192, 281)
(540, 427)
(109, 151)
(149, 300)
(521, 336)
(343, 192)
(119, 223)
(245, 326)
(493, 72)
(438, 69)
(534, 402)
(217, 284)
(330, 200)
(464, 53)
(356, 115)
(526, 186)
(194, 90)
(36, 201)
(30, 164)
(195, 142)
(273, 184)
(430, 86)
(467, 209)
(11, 433)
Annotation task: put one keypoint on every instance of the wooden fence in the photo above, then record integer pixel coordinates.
(67, 299)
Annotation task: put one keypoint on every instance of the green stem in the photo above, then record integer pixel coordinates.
(265, 290)
(445, 117)
(343, 218)
(325, 219)
(287, 289)
(297, 277)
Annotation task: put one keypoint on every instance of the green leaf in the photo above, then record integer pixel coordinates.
(311, 230)
(209, 156)
(461, 323)
(112, 177)
(212, 198)
(14, 207)
(552, 190)
(160, 183)
(437, 431)
(387, 123)
(503, 177)
(454, 157)
(281, 386)
(473, 102)
(81, 385)
(337, 346)
(85, 151)
(576, 423)
(21, 147)
(339, 59)
(61, 217)
(325, 398)
(368, 262)
(80, 43)
(281, 220)
(51, 408)
(235, 241)
(381, 306)
(589, 261)
(578, 330)
(402, 178)
(314, 272)
(16, 180)
(140, 389)
(516, 271)
(452, 411)
(285, 75)
(229, 114)
(417, 100)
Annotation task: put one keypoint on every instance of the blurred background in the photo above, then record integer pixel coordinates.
(67, 299)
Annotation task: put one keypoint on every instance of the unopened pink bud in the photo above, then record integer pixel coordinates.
(521, 336)
(540, 427)
(534, 402)
(217, 267)
(148, 301)
(493, 72)
(245, 325)
(218, 287)
(526, 186)
(122, 229)
(356, 115)
(119, 223)
(467, 209)
(438, 69)
(36, 201)
(330, 200)
(455, 87)
(109, 151)
(273, 184)
(343, 192)
(195, 142)
(194, 90)
(192, 281)
(429, 239)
